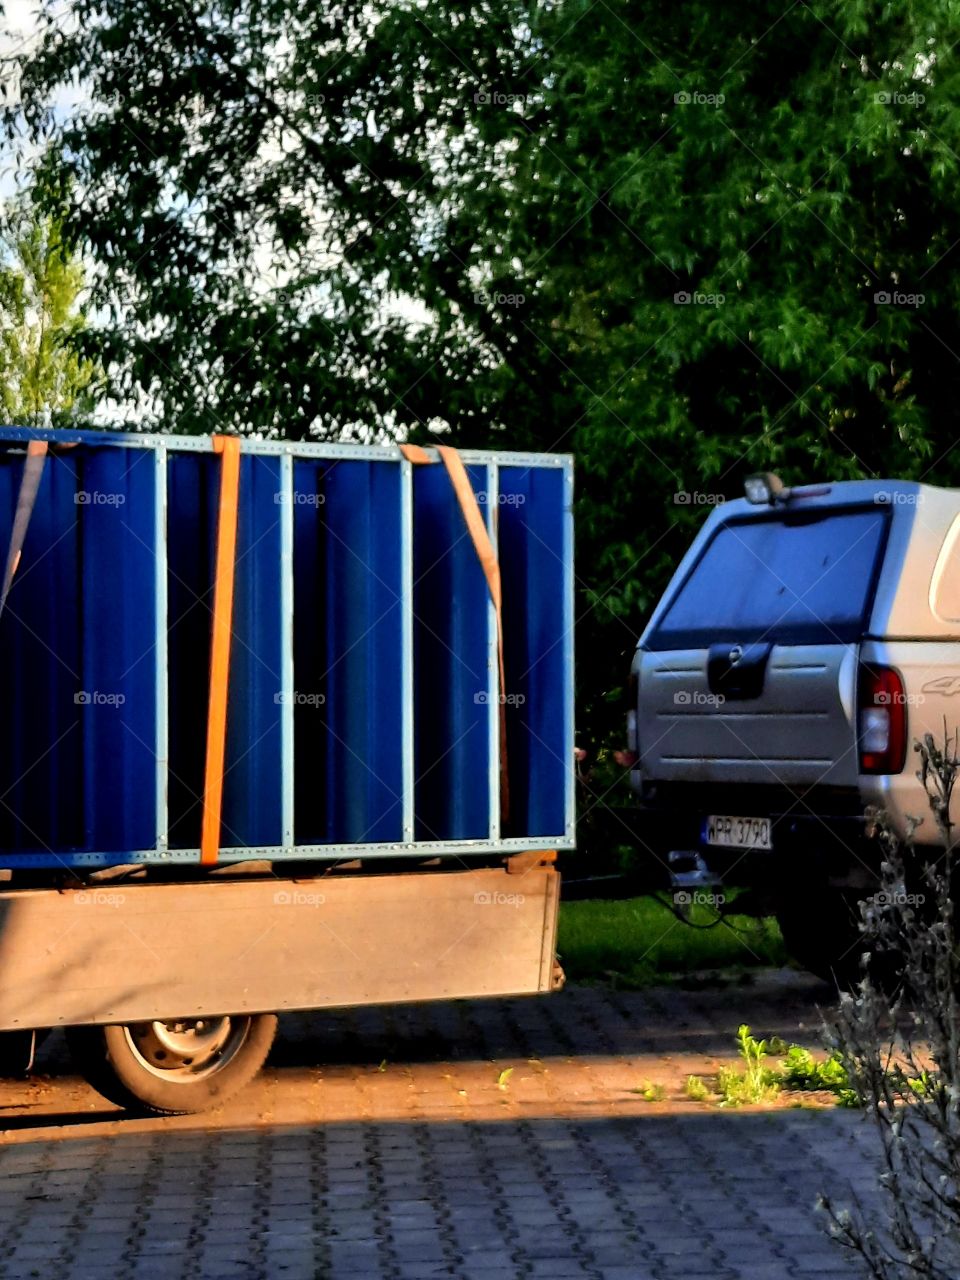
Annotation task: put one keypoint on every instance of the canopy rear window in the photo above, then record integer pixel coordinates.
(783, 578)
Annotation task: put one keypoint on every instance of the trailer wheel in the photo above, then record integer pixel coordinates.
(175, 1067)
(16, 1053)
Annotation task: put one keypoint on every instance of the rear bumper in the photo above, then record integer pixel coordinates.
(817, 838)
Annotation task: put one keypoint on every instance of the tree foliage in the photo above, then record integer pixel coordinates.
(684, 242)
(43, 380)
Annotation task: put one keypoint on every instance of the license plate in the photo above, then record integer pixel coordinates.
(738, 833)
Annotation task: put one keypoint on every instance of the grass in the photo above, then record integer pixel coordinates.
(640, 941)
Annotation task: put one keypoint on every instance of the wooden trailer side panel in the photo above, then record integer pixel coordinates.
(131, 953)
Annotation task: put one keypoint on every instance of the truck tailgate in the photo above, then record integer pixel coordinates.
(800, 729)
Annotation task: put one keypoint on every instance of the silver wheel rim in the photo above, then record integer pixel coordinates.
(185, 1050)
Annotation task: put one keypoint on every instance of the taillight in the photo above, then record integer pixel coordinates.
(883, 720)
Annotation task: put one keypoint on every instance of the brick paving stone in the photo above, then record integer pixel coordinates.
(394, 1175)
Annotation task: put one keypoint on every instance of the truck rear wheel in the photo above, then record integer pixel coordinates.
(183, 1065)
(822, 933)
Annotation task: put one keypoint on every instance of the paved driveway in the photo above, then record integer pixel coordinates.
(393, 1144)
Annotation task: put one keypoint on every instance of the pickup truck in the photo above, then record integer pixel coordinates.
(807, 639)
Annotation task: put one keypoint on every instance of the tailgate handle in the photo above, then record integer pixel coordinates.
(736, 671)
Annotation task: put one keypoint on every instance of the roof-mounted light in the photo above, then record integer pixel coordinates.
(764, 489)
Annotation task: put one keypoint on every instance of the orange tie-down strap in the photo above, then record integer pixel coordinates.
(486, 554)
(26, 497)
(226, 556)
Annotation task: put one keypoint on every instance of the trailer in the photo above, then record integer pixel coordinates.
(287, 725)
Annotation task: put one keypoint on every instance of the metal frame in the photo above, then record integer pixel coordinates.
(570, 821)
(406, 656)
(408, 846)
(270, 448)
(160, 646)
(493, 668)
(286, 649)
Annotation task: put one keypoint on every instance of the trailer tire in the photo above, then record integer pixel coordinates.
(16, 1053)
(176, 1067)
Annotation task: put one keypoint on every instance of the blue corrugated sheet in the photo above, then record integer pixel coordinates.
(363, 722)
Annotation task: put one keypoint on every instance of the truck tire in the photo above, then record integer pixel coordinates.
(821, 931)
(176, 1067)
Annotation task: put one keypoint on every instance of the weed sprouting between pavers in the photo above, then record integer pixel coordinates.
(755, 1081)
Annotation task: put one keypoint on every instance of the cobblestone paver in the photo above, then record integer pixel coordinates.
(388, 1144)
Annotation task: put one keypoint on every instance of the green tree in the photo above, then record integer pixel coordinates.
(486, 217)
(43, 379)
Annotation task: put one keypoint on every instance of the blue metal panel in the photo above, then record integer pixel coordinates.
(450, 664)
(115, 519)
(252, 788)
(41, 748)
(535, 582)
(192, 497)
(363, 707)
(348, 647)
